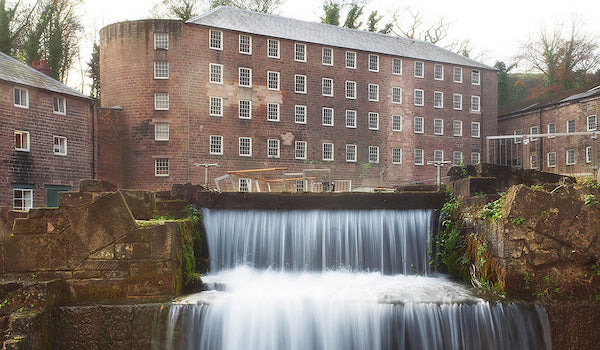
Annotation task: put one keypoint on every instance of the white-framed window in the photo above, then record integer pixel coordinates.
(161, 101)
(533, 131)
(551, 159)
(216, 144)
(300, 114)
(518, 139)
(551, 129)
(396, 95)
(161, 167)
(244, 184)
(476, 158)
(457, 102)
(245, 77)
(300, 150)
(215, 73)
(373, 92)
(350, 118)
(418, 154)
(419, 97)
(327, 56)
(215, 39)
(419, 69)
(438, 155)
(351, 59)
(456, 158)
(591, 123)
(571, 125)
(60, 146)
(327, 86)
(22, 141)
(161, 131)
(327, 116)
(457, 127)
(475, 77)
(570, 157)
(245, 109)
(328, 151)
(396, 123)
(517, 162)
(457, 76)
(22, 199)
(272, 80)
(533, 161)
(438, 71)
(397, 66)
(350, 89)
(300, 52)
(475, 104)
(216, 106)
(418, 125)
(588, 154)
(438, 126)
(245, 44)
(438, 99)
(59, 105)
(300, 84)
(161, 69)
(396, 155)
(373, 121)
(373, 63)
(272, 48)
(351, 153)
(245, 146)
(476, 130)
(273, 112)
(373, 154)
(161, 41)
(21, 97)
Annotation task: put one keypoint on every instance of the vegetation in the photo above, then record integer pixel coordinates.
(185, 10)
(192, 239)
(451, 244)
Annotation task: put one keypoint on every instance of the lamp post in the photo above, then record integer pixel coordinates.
(206, 166)
(438, 164)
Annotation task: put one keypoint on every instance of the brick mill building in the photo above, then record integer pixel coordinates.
(46, 137)
(248, 90)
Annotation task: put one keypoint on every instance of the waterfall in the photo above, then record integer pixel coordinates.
(338, 279)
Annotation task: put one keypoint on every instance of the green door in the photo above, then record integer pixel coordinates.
(52, 194)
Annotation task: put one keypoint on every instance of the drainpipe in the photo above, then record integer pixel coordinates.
(541, 139)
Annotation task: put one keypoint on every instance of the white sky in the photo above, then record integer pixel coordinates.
(495, 28)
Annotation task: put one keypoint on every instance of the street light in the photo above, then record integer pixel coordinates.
(206, 166)
(438, 164)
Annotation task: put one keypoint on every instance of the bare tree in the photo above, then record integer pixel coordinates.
(183, 10)
(265, 6)
(14, 22)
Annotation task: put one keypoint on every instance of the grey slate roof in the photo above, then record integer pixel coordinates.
(16, 72)
(293, 29)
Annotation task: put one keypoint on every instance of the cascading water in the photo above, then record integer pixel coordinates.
(338, 279)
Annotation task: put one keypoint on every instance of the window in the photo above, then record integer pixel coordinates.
(396, 155)
(571, 125)
(59, 105)
(273, 112)
(22, 141)
(351, 59)
(327, 116)
(244, 184)
(438, 72)
(419, 71)
(215, 39)
(551, 159)
(216, 73)
(397, 66)
(272, 80)
(216, 144)
(456, 158)
(161, 167)
(350, 153)
(457, 128)
(418, 125)
(475, 104)
(438, 156)
(300, 114)
(571, 157)
(533, 161)
(373, 154)
(245, 109)
(438, 127)
(300, 84)
(518, 139)
(245, 77)
(475, 130)
(245, 146)
(373, 63)
(533, 131)
(373, 92)
(551, 129)
(161, 41)
(21, 97)
(300, 149)
(591, 123)
(457, 75)
(475, 77)
(60, 145)
(373, 121)
(327, 56)
(457, 102)
(588, 154)
(517, 162)
(161, 69)
(396, 95)
(161, 101)
(22, 199)
(272, 48)
(300, 52)
(328, 151)
(476, 158)
(161, 131)
(419, 157)
(396, 123)
(327, 86)
(350, 119)
(418, 97)
(245, 44)
(438, 99)
(351, 90)
(216, 106)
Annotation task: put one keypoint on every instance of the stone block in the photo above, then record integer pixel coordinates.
(74, 199)
(123, 251)
(107, 253)
(96, 186)
(29, 226)
(26, 253)
(161, 242)
(141, 251)
(141, 203)
(98, 265)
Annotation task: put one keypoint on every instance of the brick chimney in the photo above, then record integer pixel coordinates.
(41, 67)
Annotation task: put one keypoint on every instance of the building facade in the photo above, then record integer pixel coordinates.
(46, 137)
(248, 90)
